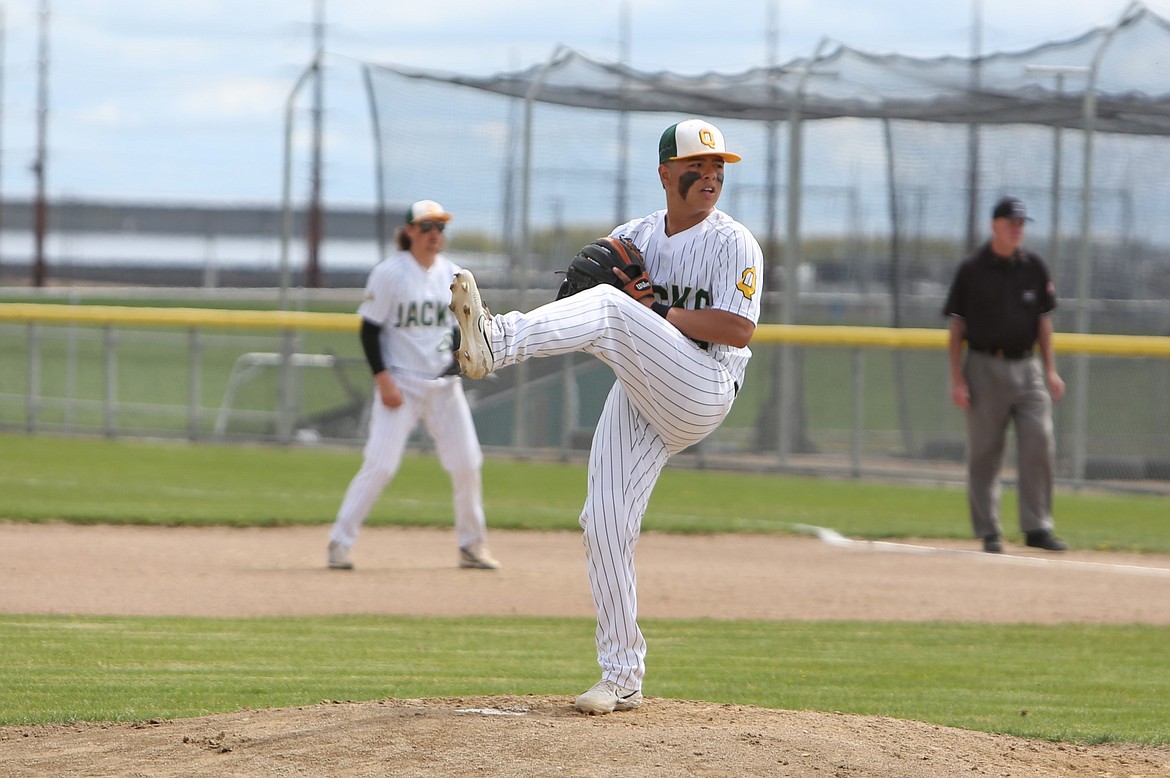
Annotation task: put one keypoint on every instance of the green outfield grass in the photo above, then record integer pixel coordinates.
(1071, 682)
(93, 480)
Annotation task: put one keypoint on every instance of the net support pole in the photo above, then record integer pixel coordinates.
(379, 183)
(285, 389)
(286, 184)
(1085, 258)
(1057, 164)
(520, 393)
(788, 409)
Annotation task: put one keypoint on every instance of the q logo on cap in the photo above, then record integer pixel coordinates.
(693, 138)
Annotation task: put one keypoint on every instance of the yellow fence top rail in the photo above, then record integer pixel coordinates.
(798, 334)
(176, 317)
(910, 337)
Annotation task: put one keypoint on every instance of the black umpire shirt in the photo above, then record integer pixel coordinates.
(1001, 300)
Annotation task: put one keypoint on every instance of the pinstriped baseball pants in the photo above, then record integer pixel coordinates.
(669, 395)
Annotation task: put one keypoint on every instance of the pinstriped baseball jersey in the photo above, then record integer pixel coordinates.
(410, 304)
(671, 391)
(714, 264)
(669, 395)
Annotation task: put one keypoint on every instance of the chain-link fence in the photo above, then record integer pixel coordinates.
(872, 401)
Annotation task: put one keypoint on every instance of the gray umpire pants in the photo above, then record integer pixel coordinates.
(1003, 391)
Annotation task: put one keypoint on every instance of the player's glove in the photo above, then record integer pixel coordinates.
(595, 263)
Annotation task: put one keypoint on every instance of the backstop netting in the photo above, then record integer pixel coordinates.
(898, 163)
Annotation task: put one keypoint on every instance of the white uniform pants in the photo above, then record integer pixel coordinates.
(669, 395)
(442, 406)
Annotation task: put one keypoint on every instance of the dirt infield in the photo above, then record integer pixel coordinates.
(149, 571)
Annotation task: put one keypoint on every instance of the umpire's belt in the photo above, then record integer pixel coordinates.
(1003, 353)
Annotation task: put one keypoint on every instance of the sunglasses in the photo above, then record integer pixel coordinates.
(425, 227)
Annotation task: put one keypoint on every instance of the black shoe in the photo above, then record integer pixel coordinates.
(992, 544)
(1043, 538)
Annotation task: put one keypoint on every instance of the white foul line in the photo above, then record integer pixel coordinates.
(833, 538)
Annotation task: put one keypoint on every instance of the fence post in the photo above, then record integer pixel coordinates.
(71, 336)
(195, 351)
(286, 389)
(858, 412)
(570, 404)
(110, 400)
(33, 388)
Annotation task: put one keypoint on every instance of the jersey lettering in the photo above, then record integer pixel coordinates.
(678, 297)
(425, 314)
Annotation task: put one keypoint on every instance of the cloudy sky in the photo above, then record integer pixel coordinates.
(153, 100)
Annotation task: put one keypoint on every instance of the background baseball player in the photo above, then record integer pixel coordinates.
(407, 335)
(679, 355)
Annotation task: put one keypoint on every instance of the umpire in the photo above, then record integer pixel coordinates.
(1000, 303)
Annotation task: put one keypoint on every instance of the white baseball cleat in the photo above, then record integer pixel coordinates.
(477, 556)
(606, 697)
(475, 349)
(338, 558)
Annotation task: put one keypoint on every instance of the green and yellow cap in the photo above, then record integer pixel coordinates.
(693, 138)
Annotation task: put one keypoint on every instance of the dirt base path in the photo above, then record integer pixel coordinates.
(149, 571)
(53, 568)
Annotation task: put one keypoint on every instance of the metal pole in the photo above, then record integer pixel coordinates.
(526, 184)
(1059, 71)
(111, 390)
(33, 389)
(71, 337)
(623, 161)
(519, 394)
(771, 185)
(194, 384)
(855, 446)
(41, 216)
(792, 262)
(1057, 163)
(773, 413)
(3, 37)
(1084, 258)
(973, 130)
(379, 183)
(314, 228)
(509, 210)
(285, 392)
(286, 189)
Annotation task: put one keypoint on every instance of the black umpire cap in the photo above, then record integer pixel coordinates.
(1010, 208)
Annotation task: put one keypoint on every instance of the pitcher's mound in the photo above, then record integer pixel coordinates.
(521, 737)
